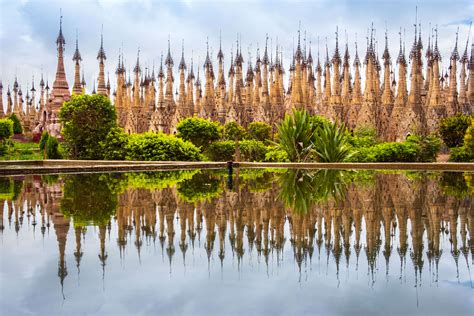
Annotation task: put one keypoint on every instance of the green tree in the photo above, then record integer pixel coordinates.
(452, 129)
(233, 131)
(6, 131)
(86, 120)
(43, 143)
(199, 131)
(259, 131)
(221, 151)
(17, 128)
(52, 148)
(114, 146)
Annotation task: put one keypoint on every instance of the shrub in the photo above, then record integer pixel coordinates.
(198, 131)
(233, 131)
(221, 151)
(259, 131)
(276, 155)
(429, 147)
(114, 145)
(6, 129)
(252, 150)
(43, 143)
(17, 128)
(52, 148)
(86, 120)
(296, 134)
(363, 137)
(461, 154)
(161, 147)
(452, 129)
(331, 143)
(388, 152)
(469, 137)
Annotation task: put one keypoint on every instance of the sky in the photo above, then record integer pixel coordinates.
(28, 30)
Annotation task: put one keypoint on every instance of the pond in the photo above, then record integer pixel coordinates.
(256, 241)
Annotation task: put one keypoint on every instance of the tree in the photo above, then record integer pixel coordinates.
(6, 131)
(114, 146)
(233, 131)
(260, 131)
(199, 131)
(87, 119)
(17, 129)
(452, 129)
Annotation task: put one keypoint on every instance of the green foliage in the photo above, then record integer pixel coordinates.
(198, 131)
(6, 189)
(15, 150)
(454, 184)
(114, 146)
(461, 154)
(429, 147)
(469, 137)
(88, 199)
(221, 151)
(52, 148)
(157, 180)
(233, 131)
(276, 155)
(252, 150)
(388, 152)
(161, 147)
(301, 188)
(319, 121)
(331, 143)
(43, 141)
(452, 129)
(6, 129)
(296, 134)
(17, 128)
(259, 131)
(202, 186)
(363, 137)
(86, 120)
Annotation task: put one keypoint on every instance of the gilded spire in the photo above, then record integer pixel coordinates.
(386, 54)
(220, 54)
(318, 64)
(182, 64)
(161, 74)
(77, 55)
(298, 53)
(356, 57)
(465, 58)
(336, 57)
(169, 60)
(401, 54)
(455, 54)
(265, 53)
(137, 68)
(101, 54)
(60, 41)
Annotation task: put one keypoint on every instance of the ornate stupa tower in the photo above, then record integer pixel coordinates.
(464, 106)
(470, 83)
(101, 57)
(452, 104)
(77, 88)
(335, 110)
(436, 109)
(182, 97)
(356, 100)
(2, 111)
(60, 92)
(386, 107)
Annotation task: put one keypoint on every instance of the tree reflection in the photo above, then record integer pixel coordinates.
(300, 188)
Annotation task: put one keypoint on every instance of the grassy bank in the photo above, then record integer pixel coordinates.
(22, 151)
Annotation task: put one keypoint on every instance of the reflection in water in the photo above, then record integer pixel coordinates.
(332, 216)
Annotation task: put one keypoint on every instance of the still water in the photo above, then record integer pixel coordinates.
(277, 242)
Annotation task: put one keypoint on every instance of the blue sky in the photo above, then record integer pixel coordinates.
(28, 29)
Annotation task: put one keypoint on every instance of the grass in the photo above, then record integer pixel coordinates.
(23, 151)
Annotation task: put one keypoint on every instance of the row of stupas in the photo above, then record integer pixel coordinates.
(395, 107)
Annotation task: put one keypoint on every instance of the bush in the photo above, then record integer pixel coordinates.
(363, 137)
(429, 147)
(233, 131)
(296, 134)
(388, 152)
(276, 155)
(259, 131)
(252, 150)
(221, 151)
(6, 129)
(52, 148)
(161, 147)
(452, 129)
(114, 145)
(331, 143)
(198, 131)
(43, 141)
(17, 129)
(461, 154)
(469, 137)
(86, 120)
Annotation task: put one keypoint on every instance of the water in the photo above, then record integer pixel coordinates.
(257, 242)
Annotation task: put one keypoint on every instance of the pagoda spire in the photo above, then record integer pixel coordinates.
(327, 77)
(435, 88)
(136, 83)
(60, 85)
(182, 83)
(101, 85)
(77, 89)
(169, 75)
(357, 90)
(452, 101)
(387, 97)
(346, 87)
(463, 100)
